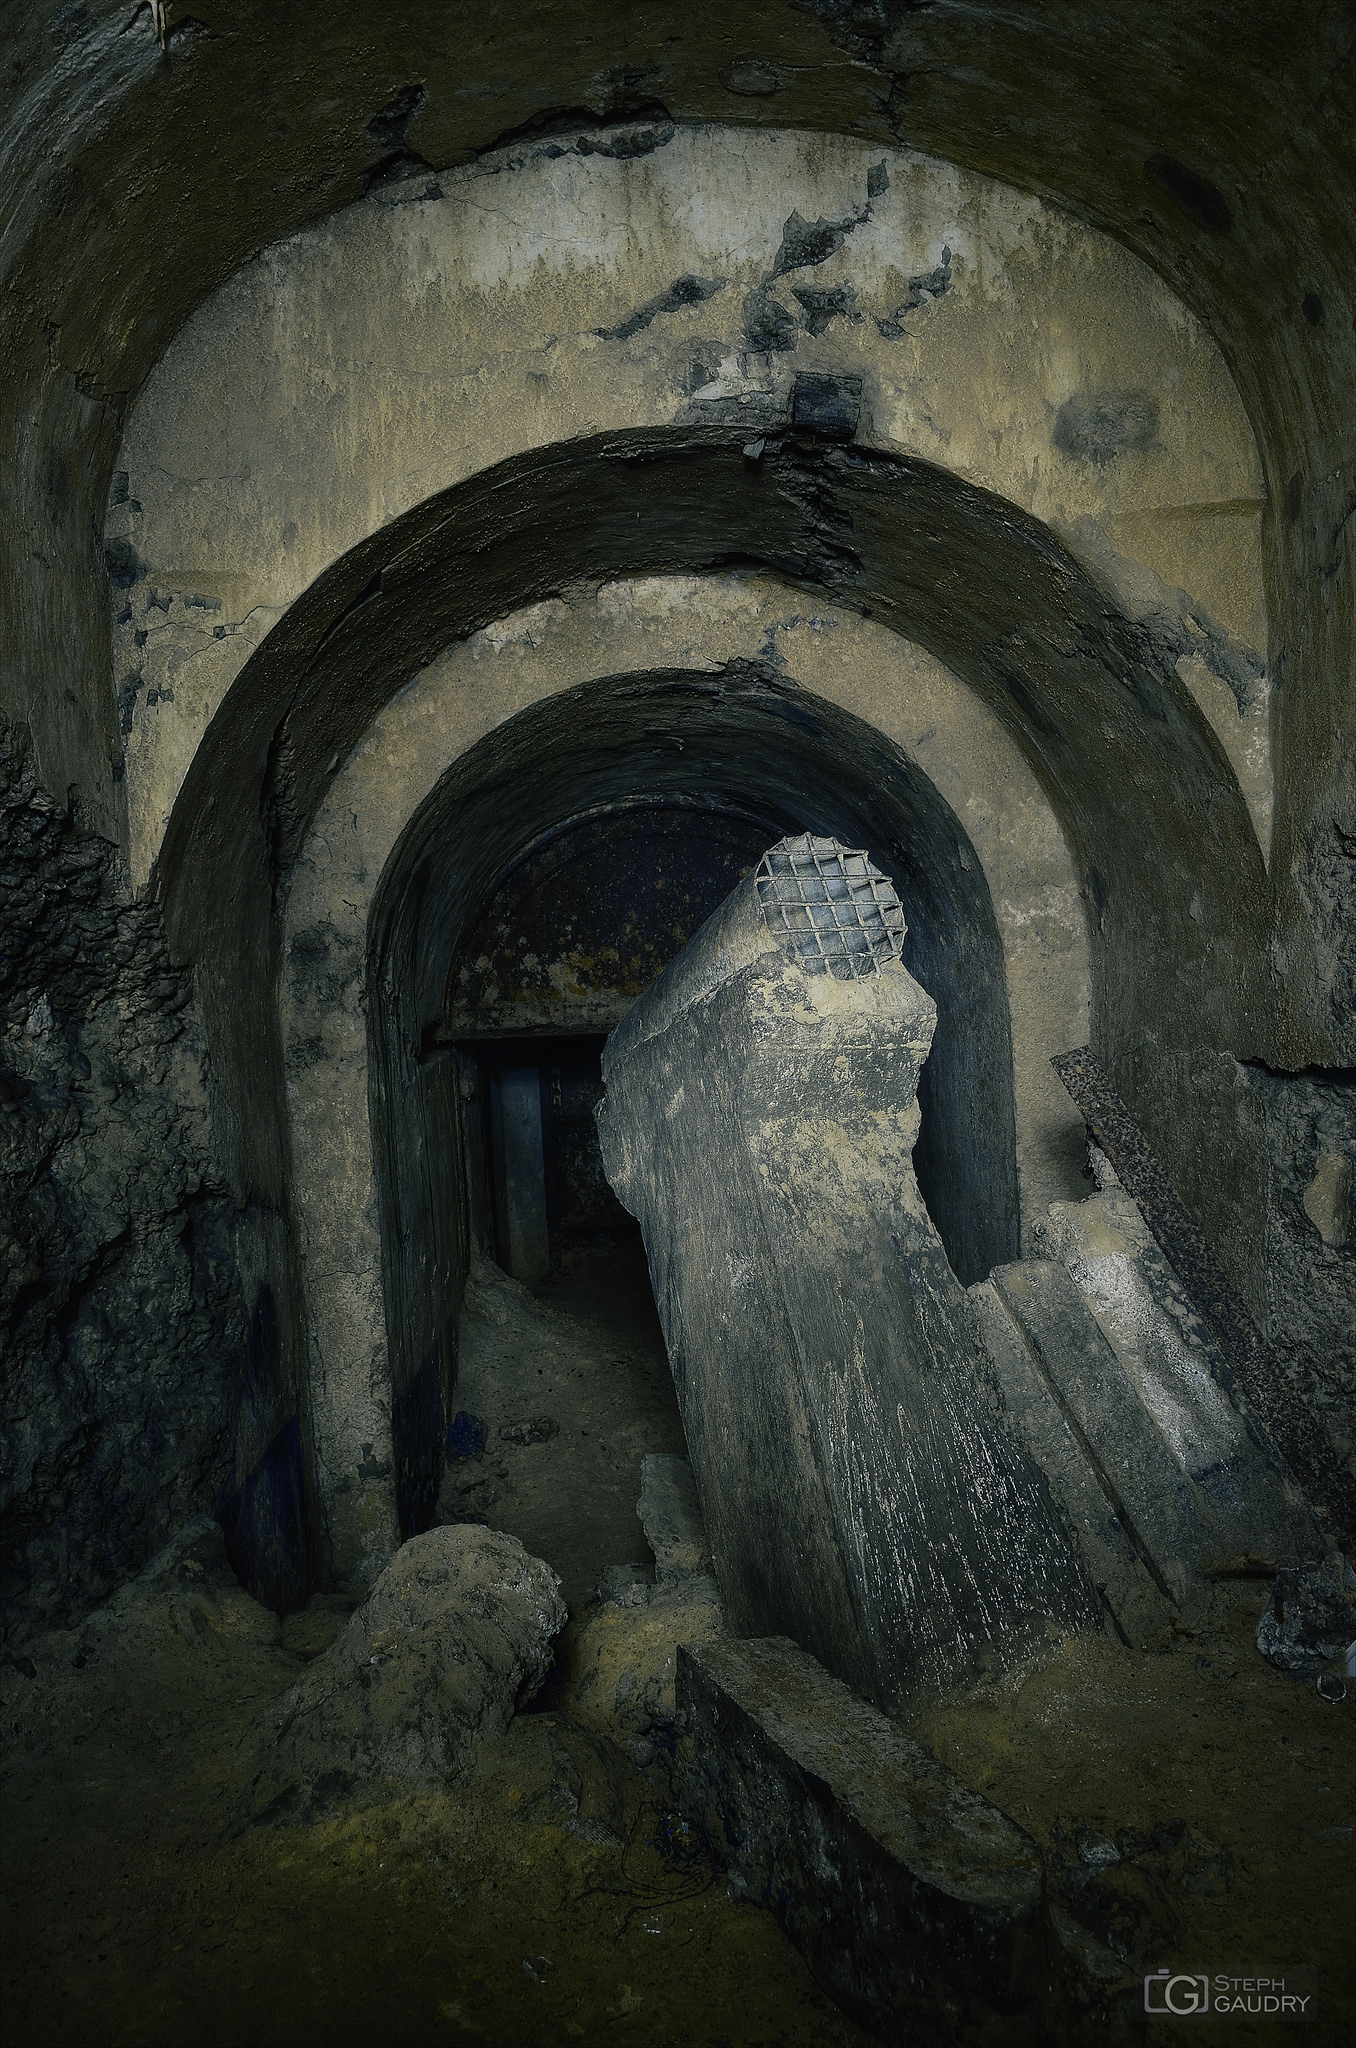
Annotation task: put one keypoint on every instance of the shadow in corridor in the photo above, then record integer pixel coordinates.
(560, 1394)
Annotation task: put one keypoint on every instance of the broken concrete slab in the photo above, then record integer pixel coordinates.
(1253, 1361)
(1148, 1491)
(1138, 1602)
(760, 1118)
(671, 1516)
(1169, 1354)
(455, 1634)
(918, 1905)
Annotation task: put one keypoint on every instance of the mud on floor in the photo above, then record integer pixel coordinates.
(571, 1388)
(550, 1893)
(1194, 1809)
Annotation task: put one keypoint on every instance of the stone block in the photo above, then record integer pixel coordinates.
(671, 1517)
(918, 1905)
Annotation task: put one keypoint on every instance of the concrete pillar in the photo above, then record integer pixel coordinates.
(861, 1493)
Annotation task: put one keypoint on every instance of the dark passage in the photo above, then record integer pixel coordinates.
(535, 1178)
(567, 1370)
(570, 1388)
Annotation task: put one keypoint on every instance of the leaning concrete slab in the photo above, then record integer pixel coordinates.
(1260, 1374)
(1245, 1491)
(1152, 1498)
(1138, 1601)
(918, 1905)
(859, 1489)
(1193, 1485)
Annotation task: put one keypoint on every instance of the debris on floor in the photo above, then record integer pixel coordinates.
(453, 1637)
(551, 1876)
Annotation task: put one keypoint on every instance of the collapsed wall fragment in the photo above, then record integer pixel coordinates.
(914, 1483)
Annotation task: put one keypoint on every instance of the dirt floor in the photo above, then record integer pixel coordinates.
(1221, 1792)
(573, 1387)
(1195, 1809)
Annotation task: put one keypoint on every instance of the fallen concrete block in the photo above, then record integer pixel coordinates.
(1243, 1490)
(1289, 1423)
(1146, 1487)
(454, 1635)
(918, 1905)
(1139, 1603)
(860, 1493)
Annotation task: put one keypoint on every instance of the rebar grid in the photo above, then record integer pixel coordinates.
(838, 912)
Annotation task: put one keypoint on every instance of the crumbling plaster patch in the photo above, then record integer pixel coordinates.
(446, 323)
(627, 627)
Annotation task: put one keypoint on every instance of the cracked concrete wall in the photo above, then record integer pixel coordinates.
(654, 624)
(659, 274)
(1308, 1135)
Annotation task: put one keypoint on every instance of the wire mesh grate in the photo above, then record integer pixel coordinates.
(838, 913)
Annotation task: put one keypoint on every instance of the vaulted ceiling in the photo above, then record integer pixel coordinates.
(147, 151)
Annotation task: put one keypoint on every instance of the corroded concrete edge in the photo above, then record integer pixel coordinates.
(918, 1905)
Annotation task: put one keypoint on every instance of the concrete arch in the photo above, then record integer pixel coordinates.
(1157, 830)
(1020, 992)
(654, 278)
(466, 392)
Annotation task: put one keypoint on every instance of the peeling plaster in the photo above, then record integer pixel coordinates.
(413, 339)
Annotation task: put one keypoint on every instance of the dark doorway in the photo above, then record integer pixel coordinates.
(534, 1175)
(567, 939)
(634, 782)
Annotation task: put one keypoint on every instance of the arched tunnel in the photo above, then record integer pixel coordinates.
(736, 748)
(538, 1407)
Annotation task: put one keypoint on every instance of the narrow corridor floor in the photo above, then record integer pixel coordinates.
(572, 1387)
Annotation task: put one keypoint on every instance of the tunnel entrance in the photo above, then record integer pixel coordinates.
(566, 941)
(534, 1182)
(652, 794)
